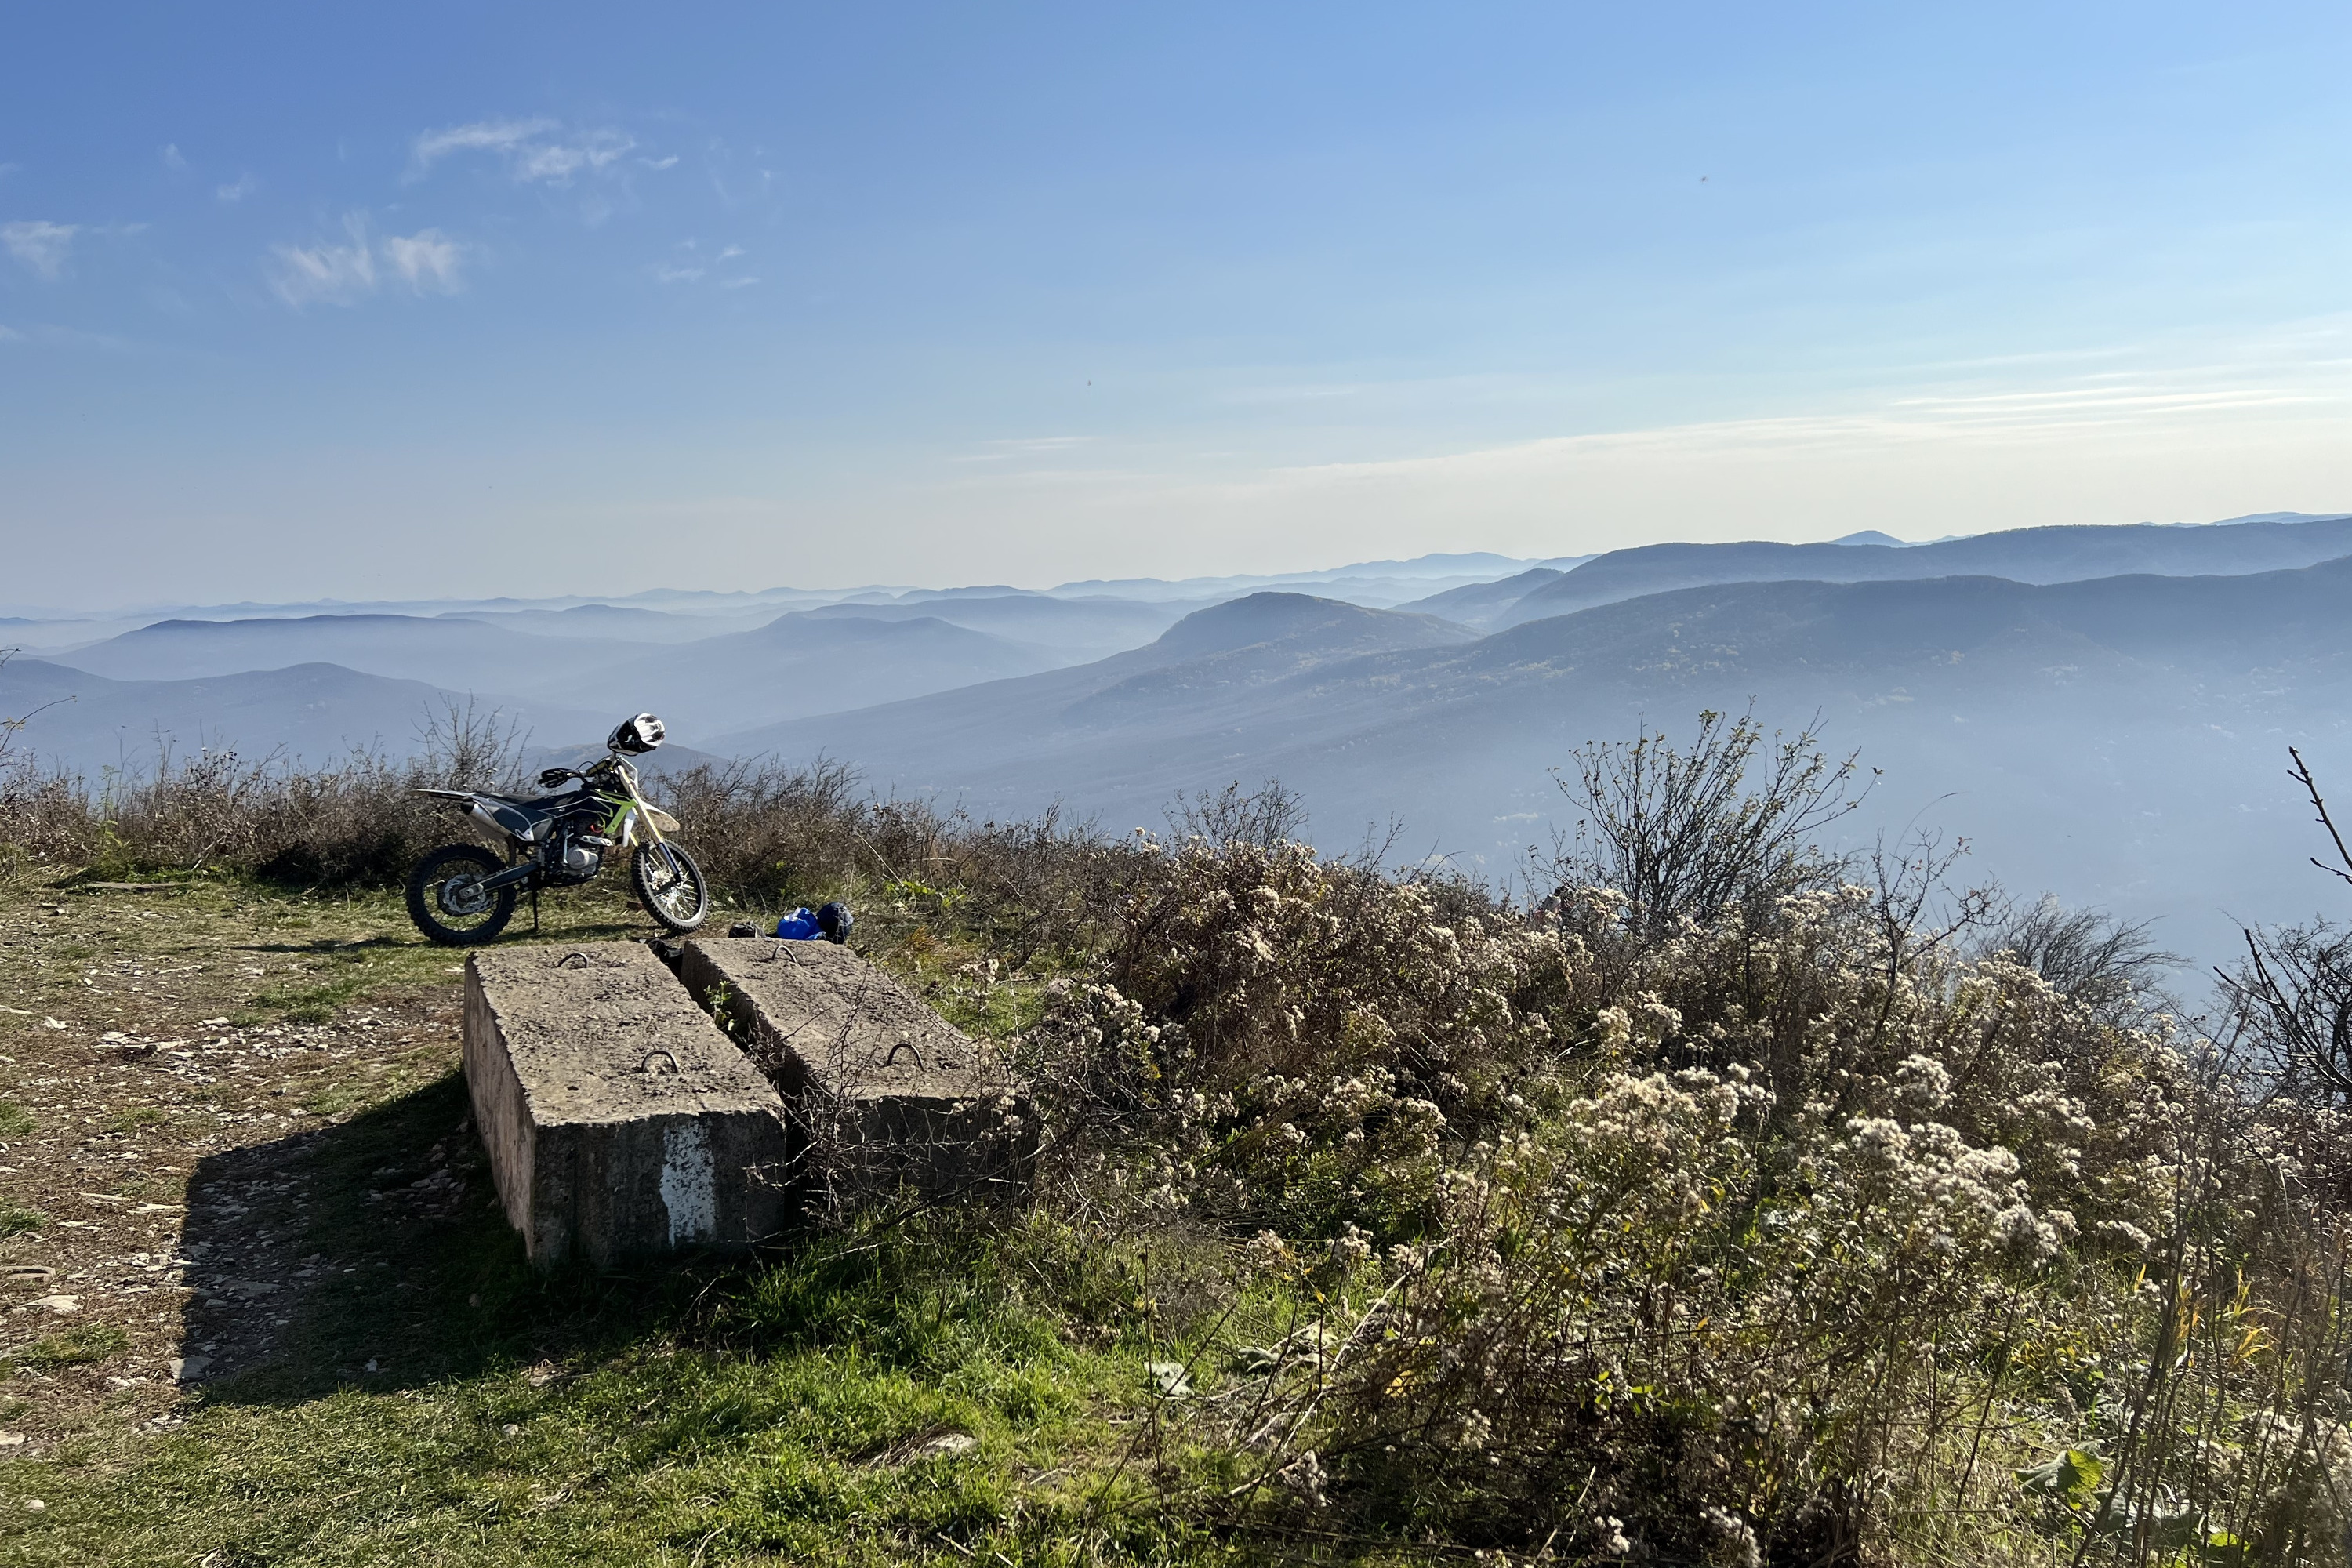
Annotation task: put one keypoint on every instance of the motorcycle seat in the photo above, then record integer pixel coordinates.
(542, 806)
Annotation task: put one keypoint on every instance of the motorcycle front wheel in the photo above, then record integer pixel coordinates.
(447, 901)
(671, 886)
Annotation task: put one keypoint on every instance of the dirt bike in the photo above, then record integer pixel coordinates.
(461, 895)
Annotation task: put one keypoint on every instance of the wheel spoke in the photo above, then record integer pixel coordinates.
(671, 886)
(461, 898)
(451, 900)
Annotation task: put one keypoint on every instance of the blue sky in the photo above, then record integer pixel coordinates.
(460, 300)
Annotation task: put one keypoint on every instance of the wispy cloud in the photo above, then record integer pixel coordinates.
(2159, 391)
(690, 265)
(326, 274)
(534, 150)
(557, 161)
(481, 136)
(42, 248)
(2164, 429)
(51, 335)
(244, 186)
(173, 157)
(427, 261)
(2121, 398)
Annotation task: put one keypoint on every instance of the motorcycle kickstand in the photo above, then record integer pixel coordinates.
(534, 912)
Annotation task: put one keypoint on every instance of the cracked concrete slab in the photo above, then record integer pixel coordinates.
(620, 1120)
(883, 1091)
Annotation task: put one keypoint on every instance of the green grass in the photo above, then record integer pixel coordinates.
(78, 1346)
(773, 1412)
(14, 1119)
(345, 947)
(769, 1410)
(701, 1412)
(343, 972)
(338, 971)
(17, 1220)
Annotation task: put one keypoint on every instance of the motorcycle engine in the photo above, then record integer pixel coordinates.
(575, 854)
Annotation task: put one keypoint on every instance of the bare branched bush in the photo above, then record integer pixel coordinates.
(1267, 816)
(1731, 819)
(12, 725)
(770, 834)
(2290, 999)
(462, 745)
(358, 822)
(40, 818)
(2101, 962)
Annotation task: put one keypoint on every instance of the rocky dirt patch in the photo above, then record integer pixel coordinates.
(226, 1121)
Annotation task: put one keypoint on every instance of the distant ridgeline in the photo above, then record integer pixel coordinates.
(2103, 712)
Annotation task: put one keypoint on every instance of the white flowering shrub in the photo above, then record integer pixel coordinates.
(1793, 1235)
(1280, 1040)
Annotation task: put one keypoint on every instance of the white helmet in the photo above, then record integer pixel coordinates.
(636, 736)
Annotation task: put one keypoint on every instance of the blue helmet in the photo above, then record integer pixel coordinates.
(835, 920)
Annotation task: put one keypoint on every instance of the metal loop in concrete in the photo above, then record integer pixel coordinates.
(593, 1156)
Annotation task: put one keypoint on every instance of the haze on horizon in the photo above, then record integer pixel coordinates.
(297, 304)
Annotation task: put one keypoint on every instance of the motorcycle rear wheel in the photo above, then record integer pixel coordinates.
(671, 886)
(446, 901)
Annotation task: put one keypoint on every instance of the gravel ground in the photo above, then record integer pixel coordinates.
(227, 1123)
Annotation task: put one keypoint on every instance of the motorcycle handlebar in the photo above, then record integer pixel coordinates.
(551, 777)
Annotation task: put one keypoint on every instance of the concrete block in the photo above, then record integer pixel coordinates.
(620, 1120)
(883, 1090)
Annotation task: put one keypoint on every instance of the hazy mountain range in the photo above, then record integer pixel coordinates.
(308, 712)
(669, 615)
(2103, 712)
(2027, 555)
(2119, 739)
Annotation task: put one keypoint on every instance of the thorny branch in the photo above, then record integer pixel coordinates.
(2301, 774)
